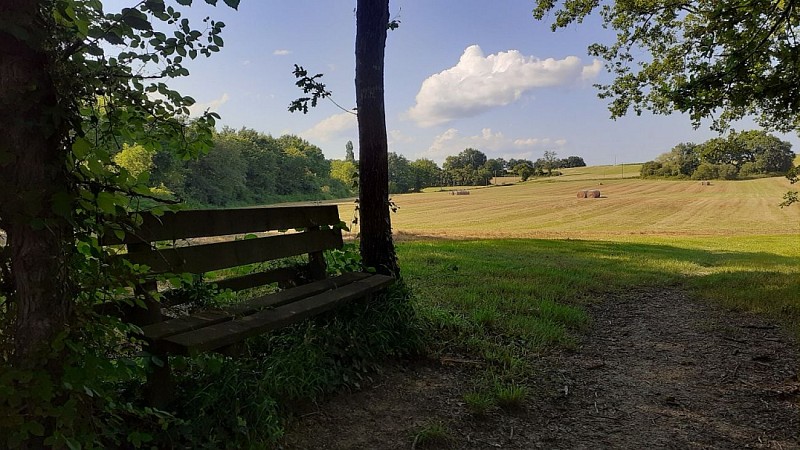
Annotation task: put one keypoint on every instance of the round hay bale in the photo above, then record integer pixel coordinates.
(582, 194)
(594, 193)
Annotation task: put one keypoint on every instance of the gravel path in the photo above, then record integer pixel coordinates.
(656, 370)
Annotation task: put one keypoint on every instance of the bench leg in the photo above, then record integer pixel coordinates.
(159, 391)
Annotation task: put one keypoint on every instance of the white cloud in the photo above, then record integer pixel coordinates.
(398, 137)
(333, 126)
(493, 144)
(590, 72)
(479, 83)
(282, 52)
(213, 105)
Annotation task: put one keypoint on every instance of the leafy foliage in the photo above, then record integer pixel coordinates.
(109, 73)
(709, 59)
(744, 154)
(304, 362)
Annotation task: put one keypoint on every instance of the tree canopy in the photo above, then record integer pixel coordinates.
(743, 154)
(722, 60)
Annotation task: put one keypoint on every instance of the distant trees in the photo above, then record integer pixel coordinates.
(549, 162)
(744, 154)
(572, 161)
(245, 167)
(426, 174)
(136, 159)
(467, 168)
(470, 167)
(401, 174)
(345, 172)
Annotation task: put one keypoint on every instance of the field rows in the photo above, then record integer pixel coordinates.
(628, 207)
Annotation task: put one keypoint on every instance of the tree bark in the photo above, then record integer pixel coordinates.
(377, 248)
(32, 170)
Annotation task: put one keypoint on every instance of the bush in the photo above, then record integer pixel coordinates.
(706, 171)
(728, 172)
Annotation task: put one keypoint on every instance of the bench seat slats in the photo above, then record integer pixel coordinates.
(183, 324)
(218, 222)
(230, 332)
(258, 279)
(295, 293)
(221, 255)
(196, 321)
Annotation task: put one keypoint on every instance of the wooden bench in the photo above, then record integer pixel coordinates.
(307, 289)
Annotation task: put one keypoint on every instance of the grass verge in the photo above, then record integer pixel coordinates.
(508, 300)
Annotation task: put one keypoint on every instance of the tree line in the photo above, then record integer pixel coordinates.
(470, 167)
(248, 167)
(739, 155)
(242, 167)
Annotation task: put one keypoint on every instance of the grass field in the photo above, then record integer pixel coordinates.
(506, 271)
(549, 208)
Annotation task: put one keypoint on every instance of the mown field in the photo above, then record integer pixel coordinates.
(528, 253)
(628, 208)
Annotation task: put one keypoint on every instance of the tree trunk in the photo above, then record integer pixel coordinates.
(32, 170)
(377, 248)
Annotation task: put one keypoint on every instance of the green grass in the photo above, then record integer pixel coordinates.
(511, 395)
(531, 291)
(432, 434)
(479, 402)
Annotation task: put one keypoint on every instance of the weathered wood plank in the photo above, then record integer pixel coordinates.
(258, 279)
(296, 293)
(222, 255)
(218, 222)
(166, 328)
(199, 320)
(227, 333)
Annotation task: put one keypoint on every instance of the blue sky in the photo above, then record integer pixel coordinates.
(470, 73)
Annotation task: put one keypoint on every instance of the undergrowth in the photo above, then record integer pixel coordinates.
(243, 402)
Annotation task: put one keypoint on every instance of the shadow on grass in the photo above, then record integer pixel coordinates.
(517, 273)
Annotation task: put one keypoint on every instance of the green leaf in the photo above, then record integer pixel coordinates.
(232, 3)
(184, 2)
(81, 147)
(136, 19)
(36, 429)
(212, 2)
(106, 202)
(72, 444)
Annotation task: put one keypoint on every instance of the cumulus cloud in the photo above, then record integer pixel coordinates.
(282, 52)
(398, 137)
(332, 127)
(590, 72)
(479, 83)
(493, 143)
(213, 105)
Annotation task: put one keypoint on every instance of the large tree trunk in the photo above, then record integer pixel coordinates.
(32, 170)
(377, 249)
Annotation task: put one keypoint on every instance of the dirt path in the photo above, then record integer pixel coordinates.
(656, 370)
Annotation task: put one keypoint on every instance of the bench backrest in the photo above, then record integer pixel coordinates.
(316, 229)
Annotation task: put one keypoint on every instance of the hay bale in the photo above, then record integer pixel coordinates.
(582, 194)
(462, 192)
(705, 183)
(594, 193)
